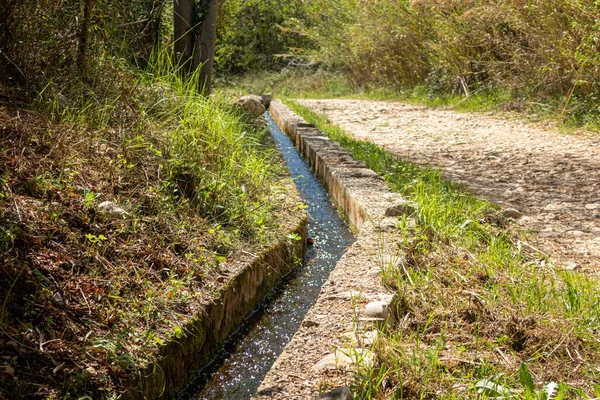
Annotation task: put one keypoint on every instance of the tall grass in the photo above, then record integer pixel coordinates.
(475, 301)
(536, 49)
(196, 184)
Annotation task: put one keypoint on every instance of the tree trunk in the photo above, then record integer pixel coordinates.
(183, 11)
(88, 8)
(154, 13)
(204, 54)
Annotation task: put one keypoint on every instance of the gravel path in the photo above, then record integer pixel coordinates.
(551, 177)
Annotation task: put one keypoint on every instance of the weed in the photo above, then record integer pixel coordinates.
(475, 302)
(199, 183)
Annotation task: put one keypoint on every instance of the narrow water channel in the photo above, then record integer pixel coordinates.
(243, 362)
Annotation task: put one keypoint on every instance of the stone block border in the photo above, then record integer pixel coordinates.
(251, 279)
(339, 330)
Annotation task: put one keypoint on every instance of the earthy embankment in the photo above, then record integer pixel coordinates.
(249, 278)
(115, 280)
(551, 178)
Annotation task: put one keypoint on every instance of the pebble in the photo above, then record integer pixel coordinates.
(111, 210)
(344, 359)
(363, 338)
(251, 105)
(512, 213)
(341, 393)
(376, 309)
(402, 207)
(308, 323)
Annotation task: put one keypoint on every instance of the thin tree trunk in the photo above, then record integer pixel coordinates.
(204, 55)
(183, 11)
(88, 8)
(154, 13)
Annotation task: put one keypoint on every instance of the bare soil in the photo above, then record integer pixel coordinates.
(551, 177)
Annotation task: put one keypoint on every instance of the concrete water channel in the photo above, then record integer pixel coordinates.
(240, 366)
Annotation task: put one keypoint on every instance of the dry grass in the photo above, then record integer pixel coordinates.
(475, 301)
(544, 50)
(86, 298)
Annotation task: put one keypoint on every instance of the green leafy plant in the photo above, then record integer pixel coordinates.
(94, 239)
(89, 198)
(489, 388)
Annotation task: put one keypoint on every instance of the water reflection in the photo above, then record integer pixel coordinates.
(242, 364)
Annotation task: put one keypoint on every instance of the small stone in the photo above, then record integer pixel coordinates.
(376, 309)
(512, 213)
(370, 337)
(308, 323)
(374, 271)
(575, 233)
(572, 266)
(401, 207)
(372, 322)
(251, 105)
(552, 207)
(58, 298)
(111, 210)
(344, 359)
(364, 173)
(269, 391)
(341, 393)
(362, 338)
(388, 224)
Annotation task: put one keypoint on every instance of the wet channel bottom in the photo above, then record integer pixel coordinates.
(243, 362)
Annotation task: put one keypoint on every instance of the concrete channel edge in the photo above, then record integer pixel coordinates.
(353, 306)
(180, 358)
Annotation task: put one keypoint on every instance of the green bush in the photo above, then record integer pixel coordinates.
(254, 35)
(546, 48)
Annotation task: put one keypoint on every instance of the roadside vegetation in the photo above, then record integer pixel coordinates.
(482, 314)
(124, 194)
(125, 198)
(89, 289)
(537, 57)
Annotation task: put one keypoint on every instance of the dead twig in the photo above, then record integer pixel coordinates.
(14, 202)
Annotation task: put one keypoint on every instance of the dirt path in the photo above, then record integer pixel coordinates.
(551, 177)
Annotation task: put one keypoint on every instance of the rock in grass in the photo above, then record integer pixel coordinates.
(111, 210)
(401, 207)
(376, 309)
(512, 213)
(251, 104)
(341, 393)
(344, 359)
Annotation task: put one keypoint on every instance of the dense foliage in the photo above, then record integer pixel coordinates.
(41, 40)
(259, 34)
(544, 48)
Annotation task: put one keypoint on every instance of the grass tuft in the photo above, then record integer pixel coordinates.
(479, 308)
(188, 184)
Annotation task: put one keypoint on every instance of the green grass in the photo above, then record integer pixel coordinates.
(319, 84)
(475, 301)
(199, 184)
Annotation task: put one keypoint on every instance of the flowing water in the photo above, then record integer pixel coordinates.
(241, 365)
